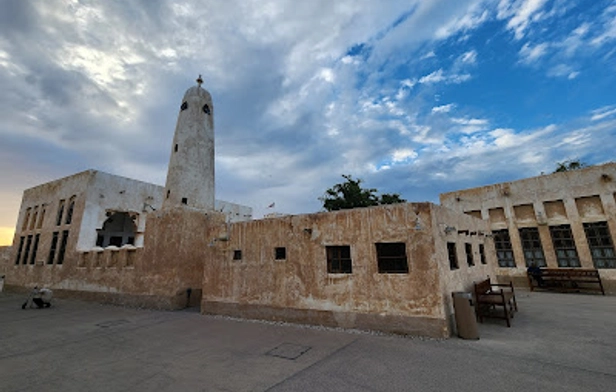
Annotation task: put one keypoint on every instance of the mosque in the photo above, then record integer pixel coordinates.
(107, 238)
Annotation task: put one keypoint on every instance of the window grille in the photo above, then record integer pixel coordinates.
(504, 250)
(564, 246)
(600, 244)
(531, 245)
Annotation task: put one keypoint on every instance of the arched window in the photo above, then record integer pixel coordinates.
(118, 230)
(69, 211)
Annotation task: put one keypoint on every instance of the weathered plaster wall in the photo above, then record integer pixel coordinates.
(574, 198)
(155, 276)
(453, 227)
(299, 288)
(234, 212)
(107, 193)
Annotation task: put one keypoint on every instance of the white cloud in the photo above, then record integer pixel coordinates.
(439, 76)
(472, 19)
(521, 13)
(443, 108)
(601, 113)
(531, 54)
(469, 57)
(562, 70)
(403, 155)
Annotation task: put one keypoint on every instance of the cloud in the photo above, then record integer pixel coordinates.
(530, 55)
(521, 14)
(562, 70)
(469, 57)
(443, 108)
(602, 113)
(439, 76)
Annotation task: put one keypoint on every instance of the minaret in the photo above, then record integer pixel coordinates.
(190, 179)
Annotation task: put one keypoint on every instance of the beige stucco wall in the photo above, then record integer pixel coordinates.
(300, 289)
(574, 198)
(155, 276)
(461, 229)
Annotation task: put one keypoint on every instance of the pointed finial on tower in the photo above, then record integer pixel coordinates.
(199, 80)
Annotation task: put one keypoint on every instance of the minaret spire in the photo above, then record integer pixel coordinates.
(199, 80)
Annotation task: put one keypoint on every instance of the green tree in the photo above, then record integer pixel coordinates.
(572, 164)
(350, 194)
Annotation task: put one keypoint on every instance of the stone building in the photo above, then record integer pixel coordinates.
(562, 220)
(393, 268)
(108, 238)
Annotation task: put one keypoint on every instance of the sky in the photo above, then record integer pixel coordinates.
(416, 97)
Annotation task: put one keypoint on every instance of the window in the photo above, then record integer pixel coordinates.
(469, 255)
(237, 255)
(62, 250)
(564, 246)
(27, 251)
(531, 245)
(482, 253)
(24, 225)
(34, 249)
(184, 105)
(69, 211)
(19, 249)
(118, 230)
(281, 253)
(168, 193)
(600, 244)
(34, 218)
(504, 251)
(206, 109)
(52, 248)
(391, 258)
(184, 200)
(175, 148)
(42, 216)
(60, 212)
(339, 260)
(453, 256)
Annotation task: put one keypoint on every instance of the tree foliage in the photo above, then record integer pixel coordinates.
(572, 164)
(350, 194)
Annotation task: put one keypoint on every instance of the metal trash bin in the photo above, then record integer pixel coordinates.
(466, 320)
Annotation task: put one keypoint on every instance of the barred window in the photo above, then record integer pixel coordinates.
(504, 250)
(339, 260)
(600, 244)
(531, 245)
(564, 246)
(453, 256)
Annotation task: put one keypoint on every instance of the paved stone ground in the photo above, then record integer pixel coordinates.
(558, 342)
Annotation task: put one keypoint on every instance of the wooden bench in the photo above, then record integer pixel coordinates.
(490, 295)
(566, 280)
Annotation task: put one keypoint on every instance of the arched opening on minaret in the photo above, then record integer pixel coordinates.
(118, 230)
(175, 148)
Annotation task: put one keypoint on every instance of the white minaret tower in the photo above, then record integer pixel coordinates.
(190, 179)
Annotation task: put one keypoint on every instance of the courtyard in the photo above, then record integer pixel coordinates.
(557, 342)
